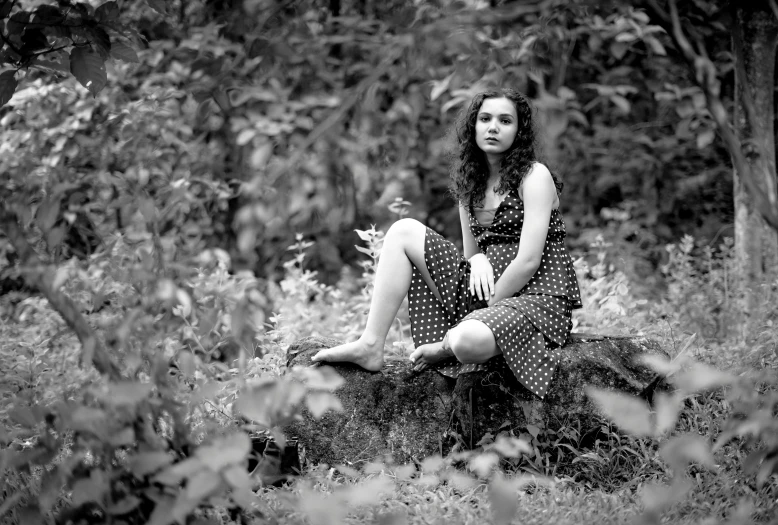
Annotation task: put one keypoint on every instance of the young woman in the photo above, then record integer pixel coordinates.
(509, 299)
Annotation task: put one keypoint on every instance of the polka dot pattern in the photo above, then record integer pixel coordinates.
(528, 326)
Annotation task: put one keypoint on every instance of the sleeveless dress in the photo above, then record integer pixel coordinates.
(527, 326)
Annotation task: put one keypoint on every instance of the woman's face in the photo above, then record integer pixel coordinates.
(496, 125)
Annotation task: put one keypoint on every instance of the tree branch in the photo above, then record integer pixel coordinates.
(705, 75)
(40, 276)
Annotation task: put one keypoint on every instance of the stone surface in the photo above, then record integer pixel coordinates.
(402, 415)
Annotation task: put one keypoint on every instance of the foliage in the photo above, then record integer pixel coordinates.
(73, 38)
(161, 206)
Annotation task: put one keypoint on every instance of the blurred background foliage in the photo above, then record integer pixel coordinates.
(245, 122)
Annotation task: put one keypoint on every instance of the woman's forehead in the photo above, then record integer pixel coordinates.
(498, 106)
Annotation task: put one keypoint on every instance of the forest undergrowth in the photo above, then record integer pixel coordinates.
(711, 458)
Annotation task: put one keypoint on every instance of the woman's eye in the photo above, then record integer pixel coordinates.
(506, 121)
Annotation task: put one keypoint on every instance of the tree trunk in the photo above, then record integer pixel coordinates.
(756, 243)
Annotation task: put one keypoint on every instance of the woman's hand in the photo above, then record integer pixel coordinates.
(481, 277)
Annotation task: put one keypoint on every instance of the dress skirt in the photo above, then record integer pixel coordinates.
(527, 327)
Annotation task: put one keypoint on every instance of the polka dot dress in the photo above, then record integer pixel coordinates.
(528, 326)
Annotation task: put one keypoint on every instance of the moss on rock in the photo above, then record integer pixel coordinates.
(400, 415)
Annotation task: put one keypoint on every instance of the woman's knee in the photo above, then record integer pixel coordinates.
(472, 342)
(406, 228)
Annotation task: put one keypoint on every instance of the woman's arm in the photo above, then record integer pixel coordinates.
(468, 241)
(538, 194)
(481, 283)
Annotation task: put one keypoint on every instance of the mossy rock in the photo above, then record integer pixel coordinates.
(400, 415)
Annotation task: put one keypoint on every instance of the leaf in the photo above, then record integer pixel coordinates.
(148, 209)
(47, 214)
(224, 451)
(92, 488)
(320, 402)
(89, 69)
(440, 87)
(432, 464)
(100, 41)
(51, 484)
(237, 477)
(268, 403)
(123, 52)
(482, 464)
(322, 378)
(55, 236)
(186, 363)
(149, 462)
(682, 450)
(123, 506)
(158, 5)
(629, 413)
(123, 438)
(87, 419)
(503, 499)
(656, 496)
(402, 473)
(8, 85)
(621, 102)
(461, 482)
(659, 364)
(60, 277)
(369, 492)
(618, 49)
(655, 45)
(202, 485)
(261, 155)
(700, 377)
(668, 406)
(163, 512)
(240, 485)
(321, 509)
(705, 138)
(127, 392)
(245, 136)
(513, 447)
(107, 12)
(24, 416)
(174, 474)
(768, 468)
(364, 235)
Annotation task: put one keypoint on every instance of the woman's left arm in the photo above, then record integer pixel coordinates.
(538, 194)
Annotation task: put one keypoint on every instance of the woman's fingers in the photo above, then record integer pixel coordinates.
(490, 278)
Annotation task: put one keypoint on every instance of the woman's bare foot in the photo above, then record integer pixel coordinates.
(369, 356)
(426, 355)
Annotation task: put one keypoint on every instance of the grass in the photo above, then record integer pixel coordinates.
(605, 485)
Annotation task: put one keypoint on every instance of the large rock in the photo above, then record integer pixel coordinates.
(401, 415)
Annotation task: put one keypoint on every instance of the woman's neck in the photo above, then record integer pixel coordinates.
(493, 161)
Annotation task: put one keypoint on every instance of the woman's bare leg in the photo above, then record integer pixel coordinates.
(471, 341)
(402, 250)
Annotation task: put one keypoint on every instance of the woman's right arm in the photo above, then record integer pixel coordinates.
(481, 273)
(468, 241)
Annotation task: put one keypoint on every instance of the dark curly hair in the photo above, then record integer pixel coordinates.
(470, 170)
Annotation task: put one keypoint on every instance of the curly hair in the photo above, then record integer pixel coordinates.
(470, 170)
